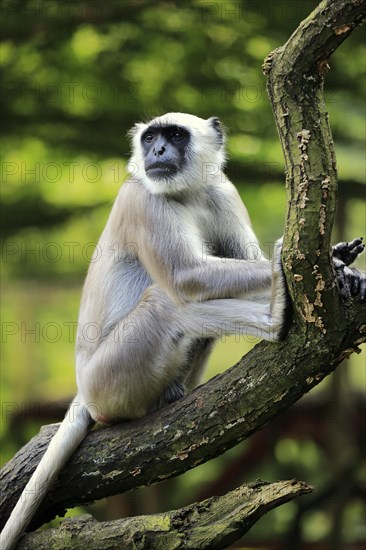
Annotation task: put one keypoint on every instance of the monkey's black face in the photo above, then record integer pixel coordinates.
(165, 150)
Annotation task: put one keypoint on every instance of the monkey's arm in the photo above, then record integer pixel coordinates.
(175, 257)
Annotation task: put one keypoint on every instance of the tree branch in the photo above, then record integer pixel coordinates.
(212, 524)
(211, 419)
(295, 87)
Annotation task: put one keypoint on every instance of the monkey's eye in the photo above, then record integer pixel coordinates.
(178, 135)
(148, 138)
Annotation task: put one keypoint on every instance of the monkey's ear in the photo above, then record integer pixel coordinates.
(136, 128)
(217, 125)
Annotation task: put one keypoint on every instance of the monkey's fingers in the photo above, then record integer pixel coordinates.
(356, 247)
(348, 252)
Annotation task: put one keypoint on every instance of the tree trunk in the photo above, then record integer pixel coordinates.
(266, 381)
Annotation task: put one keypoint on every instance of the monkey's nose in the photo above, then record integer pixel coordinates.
(160, 151)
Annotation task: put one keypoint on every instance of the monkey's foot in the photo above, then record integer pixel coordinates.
(172, 393)
(351, 282)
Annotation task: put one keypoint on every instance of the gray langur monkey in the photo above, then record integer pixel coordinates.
(177, 266)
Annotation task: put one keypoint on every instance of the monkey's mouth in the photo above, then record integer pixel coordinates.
(161, 170)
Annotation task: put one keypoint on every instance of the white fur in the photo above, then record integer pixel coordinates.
(179, 265)
(66, 440)
(206, 159)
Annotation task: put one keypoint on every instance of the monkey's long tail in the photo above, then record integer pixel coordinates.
(70, 434)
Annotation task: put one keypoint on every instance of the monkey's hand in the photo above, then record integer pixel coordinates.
(351, 281)
(346, 253)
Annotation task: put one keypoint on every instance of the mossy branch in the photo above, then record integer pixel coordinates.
(209, 525)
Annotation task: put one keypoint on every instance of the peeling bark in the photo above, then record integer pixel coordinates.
(295, 86)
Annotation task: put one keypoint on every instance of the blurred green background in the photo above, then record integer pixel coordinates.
(75, 77)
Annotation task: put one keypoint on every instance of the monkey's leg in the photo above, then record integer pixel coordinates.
(192, 365)
(197, 358)
(144, 357)
(140, 361)
(218, 318)
(246, 317)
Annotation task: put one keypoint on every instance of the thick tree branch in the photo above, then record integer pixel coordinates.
(210, 420)
(295, 86)
(272, 377)
(209, 525)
